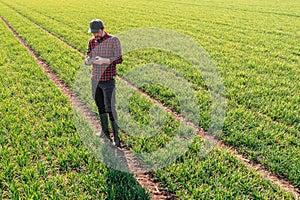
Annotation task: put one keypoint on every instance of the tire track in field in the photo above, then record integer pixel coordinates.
(145, 179)
(251, 164)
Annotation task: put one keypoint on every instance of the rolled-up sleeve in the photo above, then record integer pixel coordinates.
(117, 52)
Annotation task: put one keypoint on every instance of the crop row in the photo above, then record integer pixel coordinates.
(188, 163)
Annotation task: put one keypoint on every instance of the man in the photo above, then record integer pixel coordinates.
(104, 53)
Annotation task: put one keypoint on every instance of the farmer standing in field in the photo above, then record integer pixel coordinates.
(104, 53)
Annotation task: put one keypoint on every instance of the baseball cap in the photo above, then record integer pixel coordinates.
(95, 26)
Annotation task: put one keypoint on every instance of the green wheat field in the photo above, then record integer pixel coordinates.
(255, 47)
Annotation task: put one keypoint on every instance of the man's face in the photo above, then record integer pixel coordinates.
(99, 34)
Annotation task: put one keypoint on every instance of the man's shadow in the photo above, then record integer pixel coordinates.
(121, 183)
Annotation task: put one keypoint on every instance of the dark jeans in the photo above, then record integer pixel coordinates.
(104, 94)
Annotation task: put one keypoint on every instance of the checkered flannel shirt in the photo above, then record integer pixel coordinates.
(107, 46)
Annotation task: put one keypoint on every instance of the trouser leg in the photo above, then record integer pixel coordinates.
(110, 99)
(104, 124)
(98, 96)
(110, 102)
(105, 97)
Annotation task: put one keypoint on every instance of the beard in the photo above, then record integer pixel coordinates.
(98, 38)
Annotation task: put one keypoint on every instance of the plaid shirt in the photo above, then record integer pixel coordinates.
(107, 46)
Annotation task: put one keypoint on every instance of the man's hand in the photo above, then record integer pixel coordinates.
(88, 61)
(101, 61)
